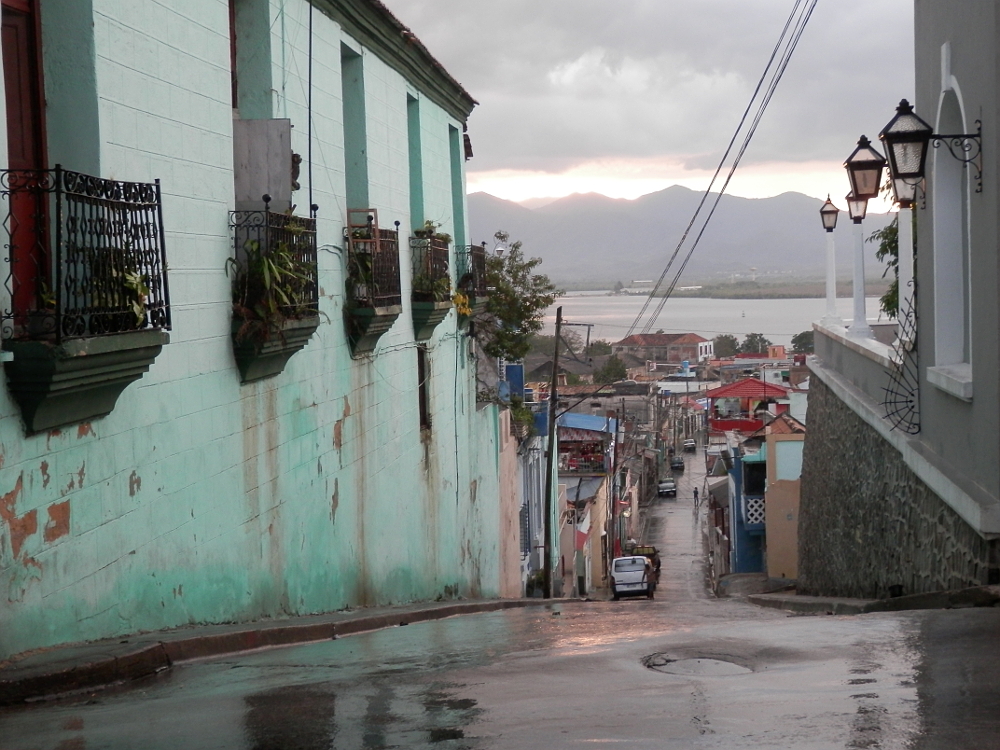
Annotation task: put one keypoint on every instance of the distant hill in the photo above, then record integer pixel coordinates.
(593, 237)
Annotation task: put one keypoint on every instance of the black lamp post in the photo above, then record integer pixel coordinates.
(864, 170)
(906, 139)
(857, 207)
(828, 214)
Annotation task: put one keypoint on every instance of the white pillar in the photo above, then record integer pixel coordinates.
(859, 326)
(905, 272)
(831, 317)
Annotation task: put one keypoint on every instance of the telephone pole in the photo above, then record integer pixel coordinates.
(552, 456)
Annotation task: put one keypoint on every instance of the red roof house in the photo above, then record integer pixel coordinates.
(737, 406)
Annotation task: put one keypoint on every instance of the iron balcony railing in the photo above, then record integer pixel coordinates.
(373, 266)
(275, 263)
(472, 271)
(429, 258)
(85, 256)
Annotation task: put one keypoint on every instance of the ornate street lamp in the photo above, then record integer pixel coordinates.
(828, 215)
(864, 170)
(906, 139)
(857, 208)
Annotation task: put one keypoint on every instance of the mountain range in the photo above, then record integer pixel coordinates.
(590, 237)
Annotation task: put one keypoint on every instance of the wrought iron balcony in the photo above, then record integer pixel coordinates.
(373, 264)
(431, 280)
(472, 271)
(85, 256)
(275, 265)
(374, 297)
(275, 288)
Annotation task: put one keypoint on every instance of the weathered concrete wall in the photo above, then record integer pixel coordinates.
(509, 511)
(867, 522)
(201, 500)
(781, 508)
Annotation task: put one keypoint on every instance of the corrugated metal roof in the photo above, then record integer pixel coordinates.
(587, 422)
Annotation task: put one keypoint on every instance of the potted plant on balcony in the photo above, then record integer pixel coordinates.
(431, 293)
(274, 312)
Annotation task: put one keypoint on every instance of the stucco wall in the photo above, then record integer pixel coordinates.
(781, 507)
(202, 500)
(867, 522)
(509, 511)
(963, 435)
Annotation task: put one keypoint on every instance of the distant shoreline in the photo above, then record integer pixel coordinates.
(751, 290)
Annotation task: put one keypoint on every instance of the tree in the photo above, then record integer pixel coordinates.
(542, 344)
(614, 369)
(754, 343)
(599, 347)
(888, 251)
(726, 345)
(517, 302)
(802, 343)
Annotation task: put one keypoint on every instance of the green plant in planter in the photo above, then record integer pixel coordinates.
(270, 286)
(430, 229)
(428, 289)
(360, 278)
(117, 284)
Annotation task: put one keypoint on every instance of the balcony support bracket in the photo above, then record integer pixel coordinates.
(78, 380)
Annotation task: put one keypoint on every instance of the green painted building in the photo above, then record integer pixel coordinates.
(167, 456)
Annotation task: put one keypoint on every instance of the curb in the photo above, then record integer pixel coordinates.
(977, 596)
(131, 663)
(811, 604)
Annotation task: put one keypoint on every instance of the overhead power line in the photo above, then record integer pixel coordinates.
(773, 71)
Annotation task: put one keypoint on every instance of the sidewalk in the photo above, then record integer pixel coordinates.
(66, 669)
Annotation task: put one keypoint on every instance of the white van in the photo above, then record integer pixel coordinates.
(632, 576)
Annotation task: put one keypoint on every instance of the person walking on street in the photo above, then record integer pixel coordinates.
(696, 500)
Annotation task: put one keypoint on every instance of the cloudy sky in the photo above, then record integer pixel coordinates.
(625, 97)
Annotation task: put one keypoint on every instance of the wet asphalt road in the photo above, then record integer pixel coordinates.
(683, 671)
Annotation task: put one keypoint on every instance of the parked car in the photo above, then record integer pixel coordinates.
(677, 463)
(632, 576)
(690, 445)
(667, 488)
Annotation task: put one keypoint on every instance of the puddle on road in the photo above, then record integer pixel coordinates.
(701, 667)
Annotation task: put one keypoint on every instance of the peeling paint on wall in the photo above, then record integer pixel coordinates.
(45, 474)
(20, 527)
(83, 430)
(335, 501)
(338, 427)
(58, 524)
(134, 484)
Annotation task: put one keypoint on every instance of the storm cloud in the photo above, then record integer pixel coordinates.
(563, 83)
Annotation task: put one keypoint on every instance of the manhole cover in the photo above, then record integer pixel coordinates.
(702, 667)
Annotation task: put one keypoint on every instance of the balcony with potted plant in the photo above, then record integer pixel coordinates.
(275, 290)
(431, 294)
(374, 298)
(472, 280)
(87, 307)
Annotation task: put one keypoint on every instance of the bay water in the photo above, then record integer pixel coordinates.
(777, 319)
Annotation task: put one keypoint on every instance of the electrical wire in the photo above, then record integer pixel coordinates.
(785, 46)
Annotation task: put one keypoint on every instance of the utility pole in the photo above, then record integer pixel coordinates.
(552, 456)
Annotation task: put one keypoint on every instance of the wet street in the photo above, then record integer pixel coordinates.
(683, 671)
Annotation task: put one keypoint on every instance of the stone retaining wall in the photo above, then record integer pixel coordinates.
(867, 522)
